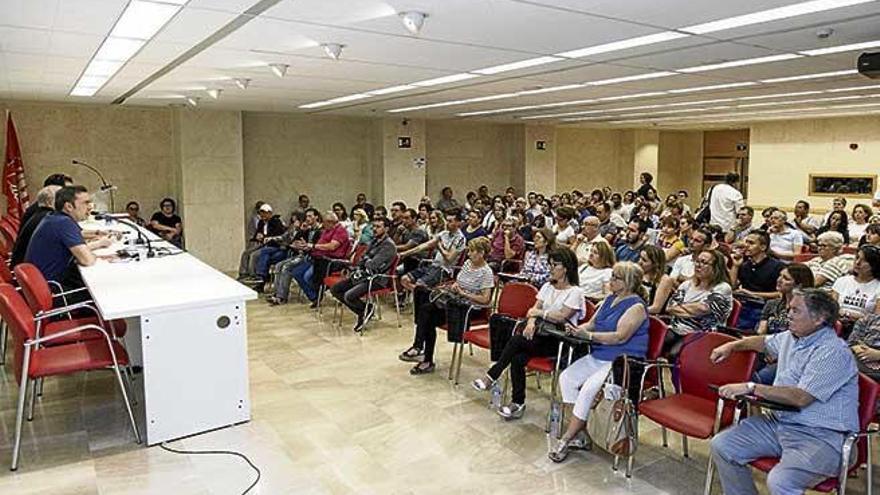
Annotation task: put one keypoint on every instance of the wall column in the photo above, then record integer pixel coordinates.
(400, 178)
(646, 155)
(210, 169)
(539, 165)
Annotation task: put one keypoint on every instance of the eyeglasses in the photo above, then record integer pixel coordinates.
(556, 264)
(702, 262)
(616, 277)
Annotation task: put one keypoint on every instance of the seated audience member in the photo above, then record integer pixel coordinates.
(668, 240)
(629, 247)
(376, 260)
(332, 245)
(60, 180)
(397, 210)
(253, 220)
(560, 301)
(742, 227)
(865, 344)
(493, 209)
(499, 213)
(134, 209)
(818, 375)
(361, 202)
(619, 327)
(805, 222)
(564, 228)
(785, 242)
(594, 277)
(474, 227)
(436, 224)
(308, 235)
(857, 293)
(361, 228)
(872, 234)
(832, 263)
(303, 203)
(410, 235)
(686, 227)
(609, 223)
(507, 244)
(449, 246)
(583, 243)
(277, 249)
(166, 224)
(425, 210)
(753, 274)
(658, 285)
(446, 201)
(474, 283)
(57, 246)
(45, 202)
(837, 221)
(860, 215)
(536, 264)
(270, 225)
(682, 199)
(701, 303)
(645, 213)
(382, 212)
(342, 215)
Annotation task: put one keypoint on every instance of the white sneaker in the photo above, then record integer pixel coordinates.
(512, 411)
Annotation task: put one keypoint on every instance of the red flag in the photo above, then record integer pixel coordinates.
(14, 185)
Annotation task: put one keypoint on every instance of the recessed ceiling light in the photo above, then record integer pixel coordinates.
(102, 67)
(740, 63)
(795, 10)
(341, 99)
(333, 50)
(778, 95)
(118, 49)
(631, 96)
(391, 89)
(522, 64)
(854, 88)
(841, 48)
(713, 87)
(142, 20)
(445, 79)
(810, 76)
(214, 93)
(649, 39)
(639, 77)
(413, 21)
(242, 82)
(279, 70)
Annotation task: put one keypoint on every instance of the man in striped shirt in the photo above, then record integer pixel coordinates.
(817, 374)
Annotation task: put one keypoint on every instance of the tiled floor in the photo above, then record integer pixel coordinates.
(332, 413)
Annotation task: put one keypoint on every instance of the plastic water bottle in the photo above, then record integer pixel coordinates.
(555, 414)
(496, 396)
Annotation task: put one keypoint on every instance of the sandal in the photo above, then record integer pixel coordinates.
(560, 452)
(412, 355)
(483, 384)
(422, 370)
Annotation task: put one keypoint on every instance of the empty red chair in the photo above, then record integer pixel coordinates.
(39, 361)
(697, 410)
(869, 392)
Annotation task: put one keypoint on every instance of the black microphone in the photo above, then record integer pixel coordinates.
(141, 239)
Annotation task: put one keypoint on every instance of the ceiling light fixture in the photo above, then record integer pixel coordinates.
(811, 76)
(841, 48)
(192, 101)
(341, 99)
(649, 39)
(214, 93)
(854, 88)
(242, 82)
(740, 63)
(639, 77)
(776, 14)
(333, 50)
(279, 70)
(463, 76)
(713, 87)
(391, 89)
(413, 21)
(522, 64)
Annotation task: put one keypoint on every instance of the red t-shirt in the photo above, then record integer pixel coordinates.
(339, 234)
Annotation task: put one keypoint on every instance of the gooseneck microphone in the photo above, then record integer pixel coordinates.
(104, 185)
(141, 238)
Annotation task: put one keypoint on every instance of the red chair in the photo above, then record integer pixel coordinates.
(6, 277)
(735, 310)
(515, 300)
(332, 277)
(373, 295)
(697, 411)
(849, 250)
(804, 257)
(8, 231)
(869, 391)
(39, 361)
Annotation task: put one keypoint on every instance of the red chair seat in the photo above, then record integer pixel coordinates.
(541, 364)
(688, 414)
(331, 280)
(478, 337)
(72, 358)
(765, 464)
(53, 327)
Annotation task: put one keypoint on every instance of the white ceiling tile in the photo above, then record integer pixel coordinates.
(191, 26)
(24, 40)
(88, 16)
(74, 45)
(28, 13)
(336, 13)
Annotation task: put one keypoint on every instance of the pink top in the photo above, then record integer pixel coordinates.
(337, 233)
(516, 243)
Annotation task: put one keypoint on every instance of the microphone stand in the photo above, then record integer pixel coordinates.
(142, 239)
(104, 185)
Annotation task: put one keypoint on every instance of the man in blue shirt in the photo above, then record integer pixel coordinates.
(58, 240)
(630, 247)
(816, 373)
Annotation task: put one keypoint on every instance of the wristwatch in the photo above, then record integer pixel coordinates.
(750, 386)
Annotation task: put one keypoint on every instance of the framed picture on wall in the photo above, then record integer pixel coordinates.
(853, 185)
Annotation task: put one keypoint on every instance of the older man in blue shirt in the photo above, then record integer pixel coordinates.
(817, 374)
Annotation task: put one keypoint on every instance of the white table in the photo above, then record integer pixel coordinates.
(187, 328)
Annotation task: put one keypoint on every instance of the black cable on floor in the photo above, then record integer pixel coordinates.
(218, 452)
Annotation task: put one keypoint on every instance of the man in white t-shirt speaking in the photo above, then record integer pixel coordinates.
(724, 201)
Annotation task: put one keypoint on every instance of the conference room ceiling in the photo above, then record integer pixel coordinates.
(47, 45)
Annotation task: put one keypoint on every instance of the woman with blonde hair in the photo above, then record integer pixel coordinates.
(595, 275)
(619, 327)
(360, 229)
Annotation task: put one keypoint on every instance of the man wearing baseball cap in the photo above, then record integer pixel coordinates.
(270, 225)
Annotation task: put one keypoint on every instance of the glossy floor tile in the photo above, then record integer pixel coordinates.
(333, 413)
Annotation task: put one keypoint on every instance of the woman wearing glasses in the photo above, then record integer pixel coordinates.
(559, 301)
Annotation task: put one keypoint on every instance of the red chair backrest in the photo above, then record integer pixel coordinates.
(6, 276)
(392, 270)
(5, 250)
(849, 250)
(697, 372)
(735, 309)
(516, 299)
(9, 232)
(18, 317)
(591, 309)
(656, 335)
(34, 286)
(358, 253)
(869, 392)
(804, 257)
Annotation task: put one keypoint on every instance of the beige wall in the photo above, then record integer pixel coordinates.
(402, 179)
(783, 154)
(680, 164)
(133, 147)
(539, 166)
(587, 159)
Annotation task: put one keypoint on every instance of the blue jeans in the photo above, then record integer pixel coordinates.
(284, 275)
(267, 257)
(805, 459)
(303, 275)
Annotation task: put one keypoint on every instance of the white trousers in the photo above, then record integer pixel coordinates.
(580, 383)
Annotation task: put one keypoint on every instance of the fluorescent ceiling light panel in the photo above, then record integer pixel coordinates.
(712, 87)
(639, 77)
(841, 48)
(776, 14)
(142, 20)
(103, 67)
(522, 64)
(354, 97)
(119, 49)
(391, 89)
(623, 44)
(629, 97)
(551, 89)
(853, 88)
(778, 95)
(740, 63)
(463, 76)
(811, 76)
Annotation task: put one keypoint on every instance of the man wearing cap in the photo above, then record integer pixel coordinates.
(269, 225)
